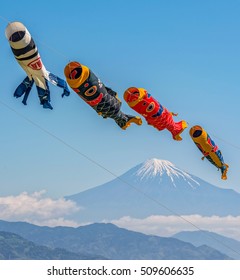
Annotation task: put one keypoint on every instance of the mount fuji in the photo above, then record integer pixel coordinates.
(155, 187)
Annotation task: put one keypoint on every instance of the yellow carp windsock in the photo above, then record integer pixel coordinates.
(101, 98)
(208, 148)
(27, 55)
(154, 113)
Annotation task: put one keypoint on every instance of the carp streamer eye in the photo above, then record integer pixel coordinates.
(91, 91)
(150, 107)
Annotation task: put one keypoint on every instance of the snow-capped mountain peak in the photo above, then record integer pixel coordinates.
(154, 168)
(154, 187)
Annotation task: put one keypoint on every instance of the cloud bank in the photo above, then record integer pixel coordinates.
(40, 210)
(36, 209)
(166, 226)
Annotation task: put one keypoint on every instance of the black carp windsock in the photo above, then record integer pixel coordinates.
(101, 98)
(208, 148)
(27, 55)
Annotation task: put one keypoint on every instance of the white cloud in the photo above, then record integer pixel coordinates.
(168, 225)
(37, 209)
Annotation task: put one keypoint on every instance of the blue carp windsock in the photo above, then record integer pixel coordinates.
(27, 55)
(154, 113)
(101, 98)
(208, 148)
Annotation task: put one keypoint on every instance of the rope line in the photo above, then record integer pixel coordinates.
(5, 19)
(67, 58)
(115, 175)
(47, 132)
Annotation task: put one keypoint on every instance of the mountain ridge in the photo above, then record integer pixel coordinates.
(226, 245)
(111, 242)
(15, 247)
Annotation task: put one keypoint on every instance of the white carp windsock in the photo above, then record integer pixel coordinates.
(27, 55)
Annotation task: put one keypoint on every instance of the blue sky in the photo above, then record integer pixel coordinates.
(185, 53)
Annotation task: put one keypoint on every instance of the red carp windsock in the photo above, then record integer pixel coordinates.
(154, 113)
(101, 98)
(208, 148)
(27, 55)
